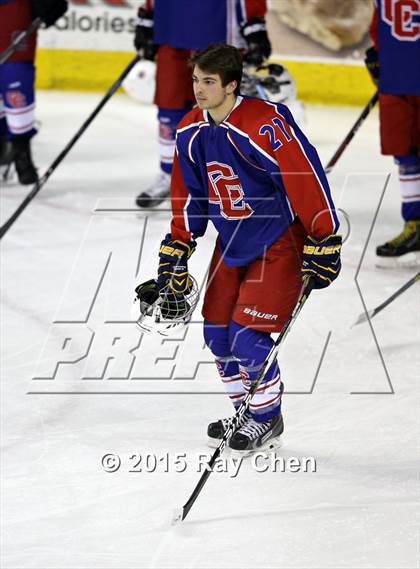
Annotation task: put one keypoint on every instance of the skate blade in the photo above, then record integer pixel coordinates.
(407, 261)
(270, 446)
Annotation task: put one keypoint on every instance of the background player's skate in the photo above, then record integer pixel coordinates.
(6, 158)
(403, 250)
(157, 192)
(22, 158)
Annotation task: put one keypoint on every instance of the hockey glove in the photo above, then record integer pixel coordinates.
(173, 265)
(258, 45)
(49, 10)
(321, 259)
(143, 34)
(372, 63)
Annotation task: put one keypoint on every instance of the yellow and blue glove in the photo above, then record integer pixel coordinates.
(173, 265)
(321, 259)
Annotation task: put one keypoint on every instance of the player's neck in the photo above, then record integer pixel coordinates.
(218, 114)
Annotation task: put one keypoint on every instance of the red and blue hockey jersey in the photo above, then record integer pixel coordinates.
(194, 24)
(251, 175)
(395, 31)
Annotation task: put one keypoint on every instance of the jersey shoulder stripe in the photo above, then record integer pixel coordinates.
(192, 119)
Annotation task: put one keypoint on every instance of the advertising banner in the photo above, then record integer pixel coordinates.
(99, 25)
(322, 47)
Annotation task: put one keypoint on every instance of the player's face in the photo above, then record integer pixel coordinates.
(208, 89)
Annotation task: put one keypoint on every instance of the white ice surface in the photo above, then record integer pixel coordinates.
(60, 509)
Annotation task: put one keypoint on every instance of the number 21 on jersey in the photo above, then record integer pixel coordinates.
(275, 133)
(225, 189)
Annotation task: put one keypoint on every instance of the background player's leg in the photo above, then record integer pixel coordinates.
(159, 189)
(174, 97)
(17, 87)
(408, 240)
(400, 137)
(5, 144)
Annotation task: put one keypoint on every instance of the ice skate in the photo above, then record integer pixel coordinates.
(403, 250)
(26, 171)
(156, 193)
(216, 430)
(253, 436)
(6, 151)
(6, 158)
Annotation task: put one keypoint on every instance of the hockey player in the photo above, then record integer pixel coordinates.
(17, 76)
(244, 164)
(170, 30)
(391, 61)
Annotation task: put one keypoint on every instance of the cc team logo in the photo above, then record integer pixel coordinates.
(403, 16)
(225, 189)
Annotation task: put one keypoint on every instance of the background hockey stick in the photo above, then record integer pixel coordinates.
(20, 38)
(41, 182)
(181, 513)
(371, 313)
(337, 154)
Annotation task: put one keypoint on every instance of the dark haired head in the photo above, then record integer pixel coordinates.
(222, 59)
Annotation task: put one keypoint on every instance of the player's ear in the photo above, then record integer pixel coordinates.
(231, 86)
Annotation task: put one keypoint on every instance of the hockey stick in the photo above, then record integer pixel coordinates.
(337, 154)
(371, 313)
(4, 228)
(181, 513)
(20, 38)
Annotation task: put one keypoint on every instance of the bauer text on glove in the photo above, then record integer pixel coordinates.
(321, 259)
(173, 264)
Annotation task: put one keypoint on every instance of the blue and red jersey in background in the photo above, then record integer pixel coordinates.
(194, 24)
(395, 31)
